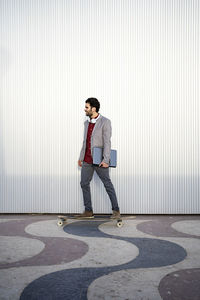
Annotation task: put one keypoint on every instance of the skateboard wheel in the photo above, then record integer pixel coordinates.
(60, 223)
(119, 224)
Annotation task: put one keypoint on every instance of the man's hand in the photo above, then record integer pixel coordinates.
(80, 163)
(104, 165)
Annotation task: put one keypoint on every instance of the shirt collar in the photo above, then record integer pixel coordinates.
(94, 120)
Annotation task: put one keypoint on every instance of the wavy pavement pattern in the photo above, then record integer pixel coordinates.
(56, 250)
(164, 227)
(74, 283)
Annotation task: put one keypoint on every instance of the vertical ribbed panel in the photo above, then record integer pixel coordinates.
(140, 58)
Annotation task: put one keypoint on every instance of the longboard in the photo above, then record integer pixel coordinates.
(62, 219)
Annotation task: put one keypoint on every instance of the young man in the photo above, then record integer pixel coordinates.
(97, 133)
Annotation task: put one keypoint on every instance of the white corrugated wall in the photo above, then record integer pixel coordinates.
(140, 58)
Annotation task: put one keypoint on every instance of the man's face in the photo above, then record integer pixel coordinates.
(88, 110)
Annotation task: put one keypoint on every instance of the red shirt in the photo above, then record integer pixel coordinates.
(88, 156)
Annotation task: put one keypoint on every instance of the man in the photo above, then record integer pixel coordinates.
(97, 133)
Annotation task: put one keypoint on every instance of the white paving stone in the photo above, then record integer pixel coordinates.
(188, 226)
(13, 249)
(127, 284)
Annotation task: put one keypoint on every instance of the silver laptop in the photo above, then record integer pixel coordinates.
(98, 157)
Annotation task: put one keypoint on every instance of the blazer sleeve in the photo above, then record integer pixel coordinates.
(107, 133)
(82, 152)
(81, 156)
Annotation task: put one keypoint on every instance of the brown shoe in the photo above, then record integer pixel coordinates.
(115, 215)
(86, 215)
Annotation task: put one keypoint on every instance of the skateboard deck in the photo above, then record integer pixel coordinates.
(62, 219)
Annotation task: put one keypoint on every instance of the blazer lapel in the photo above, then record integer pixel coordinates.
(86, 130)
(97, 124)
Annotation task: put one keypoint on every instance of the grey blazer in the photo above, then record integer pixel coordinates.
(101, 137)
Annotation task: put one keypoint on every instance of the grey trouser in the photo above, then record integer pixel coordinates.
(87, 172)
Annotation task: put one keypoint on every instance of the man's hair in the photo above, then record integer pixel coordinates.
(93, 103)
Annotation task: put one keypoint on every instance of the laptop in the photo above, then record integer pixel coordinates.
(97, 154)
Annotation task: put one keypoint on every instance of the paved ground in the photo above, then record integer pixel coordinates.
(149, 258)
